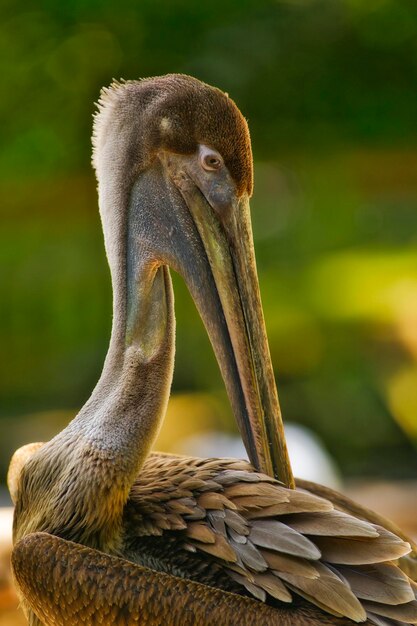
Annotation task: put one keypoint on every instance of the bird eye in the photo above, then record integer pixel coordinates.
(210, 160)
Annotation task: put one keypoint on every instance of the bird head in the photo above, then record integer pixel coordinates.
(174, 166)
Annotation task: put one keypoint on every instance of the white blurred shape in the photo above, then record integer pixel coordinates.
(309, 458)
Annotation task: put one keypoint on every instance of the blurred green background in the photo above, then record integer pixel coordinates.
(329, 89)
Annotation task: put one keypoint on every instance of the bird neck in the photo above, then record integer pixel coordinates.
(125, 410)
(76, 485)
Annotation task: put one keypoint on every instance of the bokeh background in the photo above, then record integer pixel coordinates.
(329, 89)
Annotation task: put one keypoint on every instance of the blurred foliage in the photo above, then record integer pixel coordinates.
(304, 72)
(328, 87)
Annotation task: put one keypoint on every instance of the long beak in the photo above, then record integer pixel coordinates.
(228, 244)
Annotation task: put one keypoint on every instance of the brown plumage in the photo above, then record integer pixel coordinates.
(176, 113)
(109, 590)
(222, 525)
(107, 533)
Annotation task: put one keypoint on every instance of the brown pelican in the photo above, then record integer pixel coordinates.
(107, 533)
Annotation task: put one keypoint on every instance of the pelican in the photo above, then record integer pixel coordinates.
(106, 532)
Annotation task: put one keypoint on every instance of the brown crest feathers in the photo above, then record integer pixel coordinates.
(173, 112)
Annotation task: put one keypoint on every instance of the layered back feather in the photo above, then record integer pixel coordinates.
(273, 543)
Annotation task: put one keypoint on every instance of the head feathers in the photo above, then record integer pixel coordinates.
(173, 112)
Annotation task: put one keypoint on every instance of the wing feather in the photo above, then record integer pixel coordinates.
(330, 591)
(331, 523)
(379, 582)
(405, 612)
(275, 542)
(249, 555)
(360, 551)
(290, 564)
(280, 537)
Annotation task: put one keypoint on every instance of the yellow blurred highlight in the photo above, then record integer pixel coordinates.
(402, 400)
(363, 285)
(406, 321)
(189, 414)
